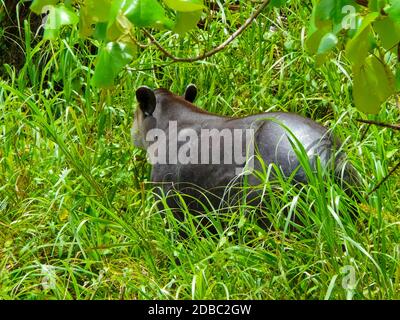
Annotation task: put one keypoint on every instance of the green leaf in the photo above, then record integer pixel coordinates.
(388, 31)
(147, 13)
(312, 27)
(57, 17)
(115, 26)
(373, 84)
(313, 40)
(186, 21)
(328, 42)
(69, 3)
(318, 43)
(321, 59)
(394, 11)
(100, 33)
(353, 31)
(39, 5)
(111, 60)
(117, 7)
(332, 10)
(117, 29)
(324, 9)
(277, 3)
(376, 5)
(99, 10)
(366, 22)
(116, 11)
(357, 49)
(185, 5)
(85, 24)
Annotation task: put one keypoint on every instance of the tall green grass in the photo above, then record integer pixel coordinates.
(78, 219)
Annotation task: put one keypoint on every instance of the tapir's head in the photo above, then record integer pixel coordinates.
(155, 106)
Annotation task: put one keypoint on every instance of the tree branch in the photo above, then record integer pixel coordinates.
(397, 166)
(363, 3)
(213, 51)
(380, 124)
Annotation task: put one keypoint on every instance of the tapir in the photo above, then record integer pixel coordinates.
(207, 157)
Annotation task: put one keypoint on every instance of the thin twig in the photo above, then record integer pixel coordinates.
(398, 52)
(139, 44)
(364, 133)
(213, 51)
(397, 166)
(362, 2)
(148, 69)
(380, 124)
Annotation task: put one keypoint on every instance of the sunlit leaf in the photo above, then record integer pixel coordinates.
(111, 29)
(357, 49)
(186, 21)
(111, 60)
(185, 5)
(373, 84)
(99, 9)
(357, 23)
(277, 3)
(117, 7)
(56, 18)
(388, 31)
(313, 40)
(85, 23)
(394, 11)
(376, 5)
(324, 9)
(38, 6)
(367, 20)
(114, 23)
(312, 27)
(147, 13)
(119, 27)
(332, 10)
(328, 42)
(100, 32)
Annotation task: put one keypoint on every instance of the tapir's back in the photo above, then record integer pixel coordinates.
(281, 133)
(276, 134)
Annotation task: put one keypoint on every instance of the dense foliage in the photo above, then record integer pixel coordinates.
(372, 30)
(373, 35)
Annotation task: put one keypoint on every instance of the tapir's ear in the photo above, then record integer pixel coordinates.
(190, 93)
(147, 100)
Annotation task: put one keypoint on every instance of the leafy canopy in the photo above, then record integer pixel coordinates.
(368, 30)
(112, 22)
(371, 32)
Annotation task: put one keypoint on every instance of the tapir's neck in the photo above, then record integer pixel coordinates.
(177, 108)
